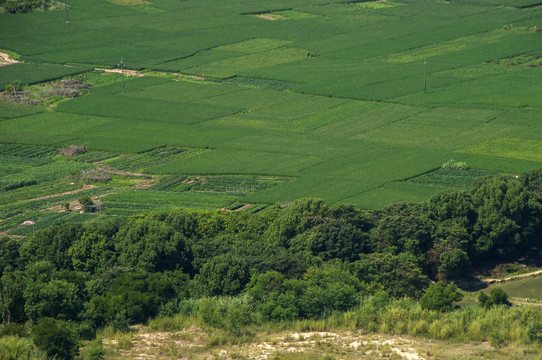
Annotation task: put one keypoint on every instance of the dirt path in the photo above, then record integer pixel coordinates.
(85, 187)
(119, 71)
(5, 59)
(269, 16)
(139, 73)
(246, 206)
(514, 277)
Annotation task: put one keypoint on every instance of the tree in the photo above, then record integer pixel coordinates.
(440, 297)
(508, 218)
(11, 296)
(9, 254)
(52, 244)
(132, 298)
(334, 239)
(403, 233)
(54, 337)
(454, 264)
(151, 245)
(298, 217)
(497, 296)
(222, 275)
(86, 201)
(395, 275)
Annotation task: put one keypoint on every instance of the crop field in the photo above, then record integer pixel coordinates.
(248, 102)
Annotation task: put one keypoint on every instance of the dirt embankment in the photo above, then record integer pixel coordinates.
(5, 59)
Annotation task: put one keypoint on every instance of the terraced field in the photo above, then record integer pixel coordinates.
(320, 98)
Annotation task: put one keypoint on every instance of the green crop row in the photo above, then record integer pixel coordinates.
(27, 151)
(450, 178)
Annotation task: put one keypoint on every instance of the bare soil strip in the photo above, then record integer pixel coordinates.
(139, 73)
(119, 71)
(271, 17)
(5, 59)
(246, 206)
(85, 187)
(514, 277)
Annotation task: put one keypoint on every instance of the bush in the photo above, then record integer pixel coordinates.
(535, 333)
(14, 86)
(85, 200)
(12, 329)
(440, 297)
(54, 337)
(453, 165)
(496, 296)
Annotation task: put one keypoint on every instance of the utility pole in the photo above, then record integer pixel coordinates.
(66, 7)
(424, 78)
(122, 72)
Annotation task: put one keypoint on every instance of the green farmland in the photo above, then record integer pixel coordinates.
(262, 102)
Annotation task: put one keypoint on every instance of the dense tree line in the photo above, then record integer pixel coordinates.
(24, 6)
(305, 260)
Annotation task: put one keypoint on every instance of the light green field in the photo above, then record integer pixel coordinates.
(329, 95)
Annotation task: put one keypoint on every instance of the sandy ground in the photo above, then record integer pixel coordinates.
(195, 343)
(5, 59)
(139, 73)
(270, 16)
(192, 343)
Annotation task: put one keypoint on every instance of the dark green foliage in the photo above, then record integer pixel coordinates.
(393, 274)
(9, 253)
(508, 218)
(22, 6)
(12, 302)
(85, 200)
(407, 233)
(452, 207)
(54, 337)
(222, 275)
(12, 329)
(454, 264)
(496, 296)
(47, 295)
(14, 86)
(320, 292)
(342, 237)
(132, 298)
(152, 245)
(52, 244)
(533, 181)
(440, 297)
(295, 219)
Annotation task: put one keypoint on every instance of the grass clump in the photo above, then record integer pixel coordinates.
(454, 165)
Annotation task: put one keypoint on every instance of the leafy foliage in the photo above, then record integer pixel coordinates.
(440, 297)
(496, 297)
(54, 337)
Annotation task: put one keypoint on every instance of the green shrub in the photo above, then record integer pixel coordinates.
(55, 338)
(440, 297)
(86, 200)
(496, 296)
(455, 165)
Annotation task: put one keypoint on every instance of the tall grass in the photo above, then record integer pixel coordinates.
(472, 323)
(16, 348)
(499, 325)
